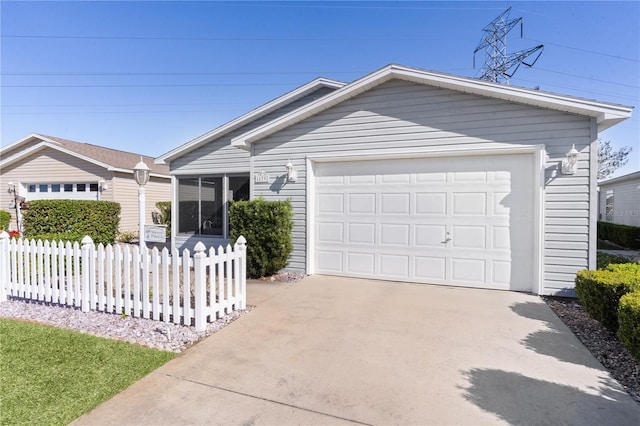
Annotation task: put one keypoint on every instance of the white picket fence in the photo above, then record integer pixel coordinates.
(126, 280)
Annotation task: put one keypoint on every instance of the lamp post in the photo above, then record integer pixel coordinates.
(141, 174)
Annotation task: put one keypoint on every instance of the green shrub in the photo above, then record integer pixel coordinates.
(127, 236)
(5, 218)
(629, 322)
(600, 291)
(267, 227)
(164, 216)
(623, 235)
(605, 259)
(69, 218)
(63, 236)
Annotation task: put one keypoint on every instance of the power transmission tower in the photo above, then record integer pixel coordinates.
(499, 65)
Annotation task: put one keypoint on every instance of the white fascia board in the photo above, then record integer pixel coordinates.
(249, 117)
(606, 114)
(624, 178)
(25, 139)
(45, 144)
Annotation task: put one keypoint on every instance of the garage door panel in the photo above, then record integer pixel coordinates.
(430, 235)
(501, 272)
(468, 270)
(362, 203)
(457, 221)
(330, 203)
(466, 237)
(467, 177)
(394, 266)
(330, 261)
(362, 233)
(500, 238)
(393, 203)
(434, 203)
(330, 180)
(394, 234)
(500, 204)
(431, 177)
(395, 178)
(362, 179)
(430, 268)
(361, 263)
(331, 232)
(469, 203)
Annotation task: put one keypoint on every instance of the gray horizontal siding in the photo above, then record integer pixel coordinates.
(399, 117)
(219, 156)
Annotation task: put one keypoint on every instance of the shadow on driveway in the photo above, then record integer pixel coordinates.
(518, 399)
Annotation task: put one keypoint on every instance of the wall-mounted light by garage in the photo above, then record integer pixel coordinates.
(569, 164)
(292, 175)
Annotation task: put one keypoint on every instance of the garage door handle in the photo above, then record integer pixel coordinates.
(446, 240)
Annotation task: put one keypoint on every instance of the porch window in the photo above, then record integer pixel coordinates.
(203, 203)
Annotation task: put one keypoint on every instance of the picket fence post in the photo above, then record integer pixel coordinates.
(241, 250)
(87, 270)
(200, 272)
(4, 265)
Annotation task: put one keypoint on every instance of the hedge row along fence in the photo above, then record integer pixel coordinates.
(5, 218)
(623, 235)
(71, 220)
(267, 227)
(612, 296)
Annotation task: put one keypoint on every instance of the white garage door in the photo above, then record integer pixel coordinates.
(465, 221)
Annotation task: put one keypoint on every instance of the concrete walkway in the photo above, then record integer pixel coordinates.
(346, 351)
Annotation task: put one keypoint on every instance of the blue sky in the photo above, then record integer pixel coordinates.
(149, 76)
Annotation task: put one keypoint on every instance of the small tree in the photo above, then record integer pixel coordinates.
(267, 227)
(609, 160)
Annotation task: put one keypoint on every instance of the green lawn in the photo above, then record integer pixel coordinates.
(52, 376)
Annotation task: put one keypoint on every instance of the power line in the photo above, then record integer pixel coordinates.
(584, 50)
(165, 38)
(177, 73)
(49, 86)
(589, 78)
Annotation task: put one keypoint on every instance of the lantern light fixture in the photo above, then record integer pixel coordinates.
(141, 173)
(569, 164)
(292, 175)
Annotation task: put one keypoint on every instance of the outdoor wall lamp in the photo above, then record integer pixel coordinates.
(569, 163)
(12, 188)
(292, 175)
(102, 185)
(141, 174)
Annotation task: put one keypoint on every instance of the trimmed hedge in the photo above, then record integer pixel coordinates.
(267, 226)
(72, 220)
(629, 322)
(623, 235)
(600, 291)
(5, 218)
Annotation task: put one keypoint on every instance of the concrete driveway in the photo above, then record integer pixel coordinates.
(346, 351)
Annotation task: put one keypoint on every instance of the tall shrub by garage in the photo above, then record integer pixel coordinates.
(629, 322)
(72, 220)
(600, 291)
(267, 226)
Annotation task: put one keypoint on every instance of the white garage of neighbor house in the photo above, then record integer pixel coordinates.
(412, 175)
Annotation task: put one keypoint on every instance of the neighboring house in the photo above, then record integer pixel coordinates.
(620, 200)
(412, 175)
(43, 167)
